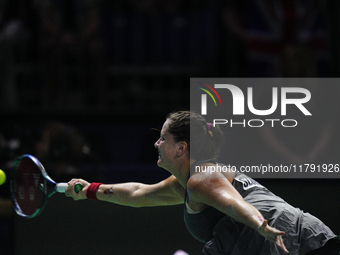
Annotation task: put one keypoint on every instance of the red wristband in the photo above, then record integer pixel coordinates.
(92, 189)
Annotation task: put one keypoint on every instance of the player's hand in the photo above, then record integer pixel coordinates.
(273, 235)
(69, 192)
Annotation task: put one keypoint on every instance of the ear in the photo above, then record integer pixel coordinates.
(182, 147)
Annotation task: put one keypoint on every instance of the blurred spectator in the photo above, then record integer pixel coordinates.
(162, 32)
(285, 38)
(17, 22)
(313, 139)
(266, 28)
(15, 140)
(62, 150)
(71, 38)
(156, 46)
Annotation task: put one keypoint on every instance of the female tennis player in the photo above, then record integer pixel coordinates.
(228, 211)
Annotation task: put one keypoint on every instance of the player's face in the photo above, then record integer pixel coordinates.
(166, 147)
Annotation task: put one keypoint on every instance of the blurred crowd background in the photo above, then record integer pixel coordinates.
(83, 82)
(122, 57)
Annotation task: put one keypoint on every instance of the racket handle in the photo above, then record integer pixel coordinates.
(61, 186)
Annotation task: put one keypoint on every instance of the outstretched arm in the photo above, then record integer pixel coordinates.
(166, 192)
(220, 194)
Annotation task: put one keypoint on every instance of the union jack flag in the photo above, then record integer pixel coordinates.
(268, 26)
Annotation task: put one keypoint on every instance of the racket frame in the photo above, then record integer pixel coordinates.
(49, 187)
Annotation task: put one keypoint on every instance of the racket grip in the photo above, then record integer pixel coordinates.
(78, 187)
(61, 186)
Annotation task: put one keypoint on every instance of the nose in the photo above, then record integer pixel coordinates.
(156, 144)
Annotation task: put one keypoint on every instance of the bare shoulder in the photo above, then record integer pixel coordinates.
(203, 182)
(206, 185)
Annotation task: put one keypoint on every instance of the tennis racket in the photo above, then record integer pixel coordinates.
(31, 186)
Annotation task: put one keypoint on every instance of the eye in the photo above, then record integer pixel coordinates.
(161, 138)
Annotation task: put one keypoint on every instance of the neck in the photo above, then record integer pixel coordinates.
(181, 172)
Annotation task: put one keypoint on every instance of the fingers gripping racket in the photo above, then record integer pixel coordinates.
(31, 186)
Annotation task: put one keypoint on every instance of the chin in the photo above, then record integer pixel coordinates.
(159, 161)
